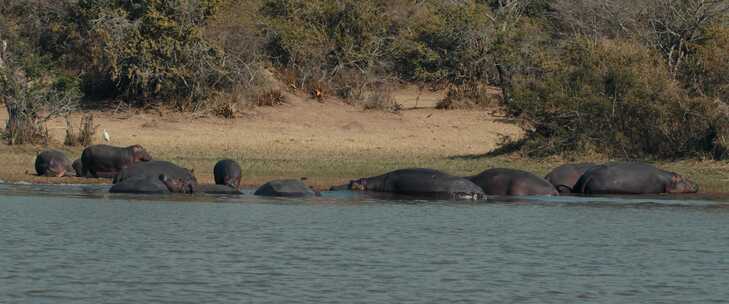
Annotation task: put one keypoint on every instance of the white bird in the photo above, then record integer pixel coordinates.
(106, 136)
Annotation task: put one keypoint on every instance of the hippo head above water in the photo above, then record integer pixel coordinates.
(139, 153)
(358, 184)
(680, 184)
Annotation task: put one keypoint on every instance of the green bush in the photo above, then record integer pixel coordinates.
(441, 41)
(706, 72)
(152, 49)
(612, 97)
(324, 41)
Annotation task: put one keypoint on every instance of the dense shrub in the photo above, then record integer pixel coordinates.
(152, 50)
(329, 45)
(706, 71)
(441, 41)
(612, 97)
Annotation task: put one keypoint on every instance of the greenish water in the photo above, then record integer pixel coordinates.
(79, 244)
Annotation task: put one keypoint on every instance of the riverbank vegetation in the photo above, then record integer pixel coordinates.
(645, 79)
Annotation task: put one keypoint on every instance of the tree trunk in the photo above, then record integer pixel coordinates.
(504, 83)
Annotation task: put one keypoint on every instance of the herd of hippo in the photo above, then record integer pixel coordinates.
(134, 171)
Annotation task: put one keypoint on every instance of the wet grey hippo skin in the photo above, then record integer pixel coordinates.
(216, 189)
(53, 163)
(184, 180)
(632, 178)
(504, 181)
(107, 161)
(78, 167)
(146, 185)
(286, 187)
(566, 176)
(420, 182)
(227, 172)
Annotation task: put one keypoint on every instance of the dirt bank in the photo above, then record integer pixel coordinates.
(329, 143)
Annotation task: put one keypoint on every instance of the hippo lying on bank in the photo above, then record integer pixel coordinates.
(285, 187)
(566, 176)
(227, 172)
(148, 185)
(420, 182)
(53, 163)
(503, 181)
(632, 178)
(182, 177)
(107, 161)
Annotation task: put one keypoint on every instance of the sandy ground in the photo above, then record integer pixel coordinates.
(328, 143)
(292, 140)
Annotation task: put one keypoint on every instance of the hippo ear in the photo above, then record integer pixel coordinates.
(358, 184)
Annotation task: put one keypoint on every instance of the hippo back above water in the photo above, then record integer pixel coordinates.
(285, 188)
(216, 189)
(107, 161)
(145, 185)
(52, 163)
(566, 176)
(632, 178)
(420, 182)
(184, 180)
(504, 181)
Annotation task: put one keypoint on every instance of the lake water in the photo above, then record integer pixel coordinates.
(79, 244)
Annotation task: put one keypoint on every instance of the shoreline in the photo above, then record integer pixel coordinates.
(326, 143)
(712, 176)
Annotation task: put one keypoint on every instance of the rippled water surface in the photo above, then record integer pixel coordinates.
(78, 244)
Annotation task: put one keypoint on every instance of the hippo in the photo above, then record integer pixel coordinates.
(632, 178)
(565, 176)
(79, 168)
(285, 187)
(146, 185)
(216, 189)
(504, 181)
(422, 183)
(227, 172)
(184, 179)
(106, 161)
(52, 163)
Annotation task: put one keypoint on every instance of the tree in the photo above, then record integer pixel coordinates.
(31, 103)
(152, 49)
(677, 24)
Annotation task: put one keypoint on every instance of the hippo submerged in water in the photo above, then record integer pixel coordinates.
(286, 188)
(566, 176)
(147, 185)
(420, 182)
(632, 178)
(503, 181)
(53, 163)
(107, 161)
(184, 180)
(216, 189)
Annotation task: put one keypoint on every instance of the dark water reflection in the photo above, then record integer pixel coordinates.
(79, 244)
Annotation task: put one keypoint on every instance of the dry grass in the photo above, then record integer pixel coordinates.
(327, 143)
